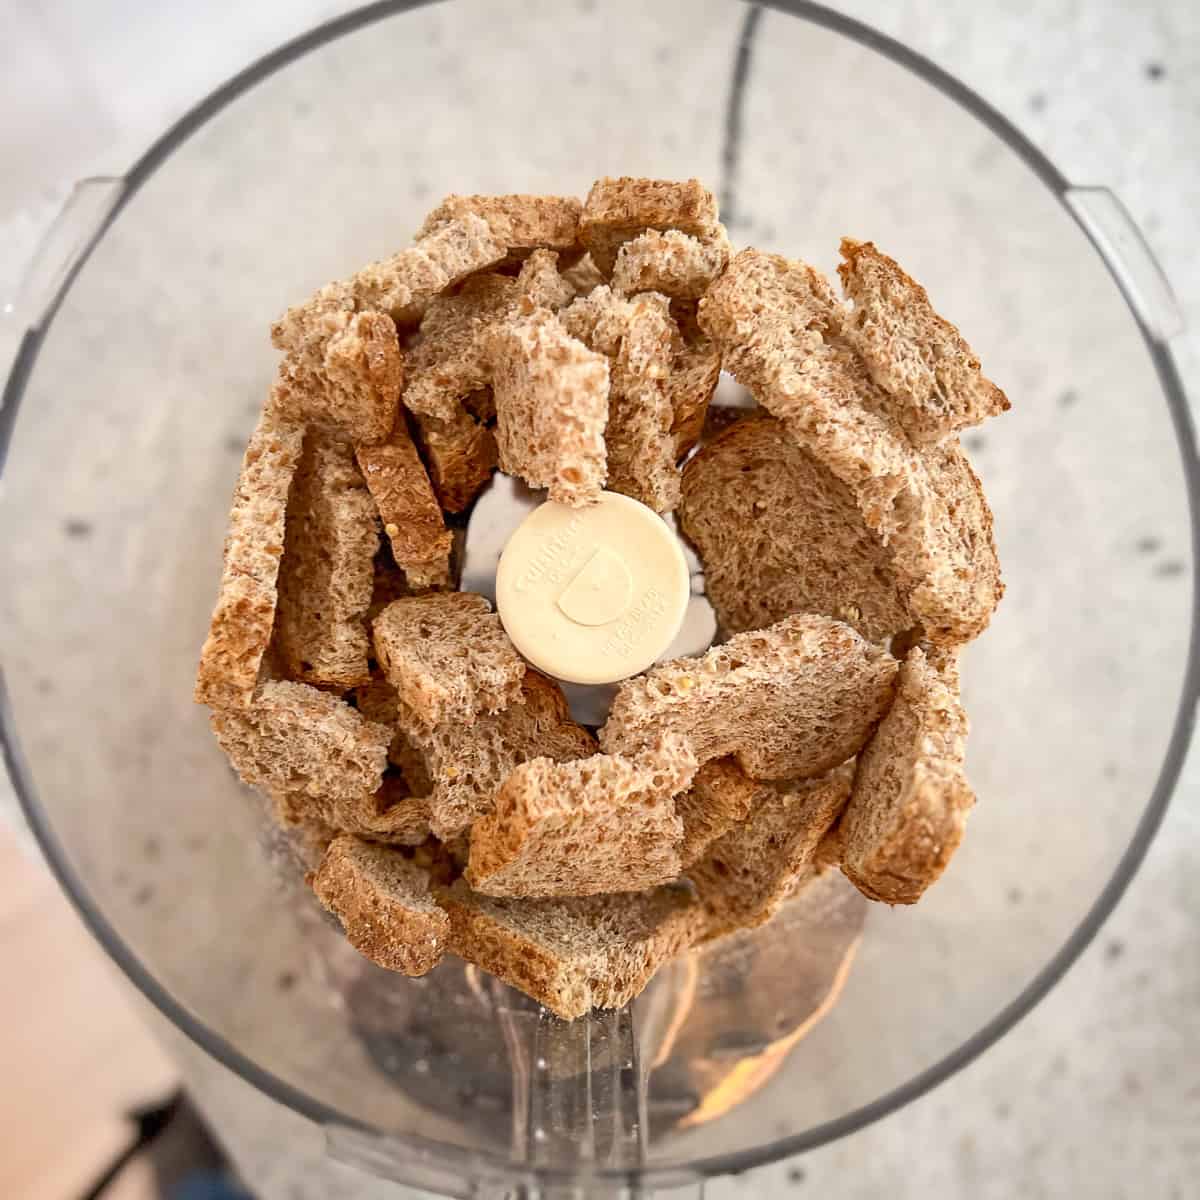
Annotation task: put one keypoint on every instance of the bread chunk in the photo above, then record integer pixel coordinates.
(916, 356)
(788, 702)
(467, 764)
(448, 657)
(720, 797)
(383, 901)
(408, 508)
(520, 223)
(596, 825)
(577, 953)
(551, 396)
(910, 800)
(240, 630)
(640, 341)
(779, 534)
(297, 738)
(327, 575)
(672, 263)
(749, 872)
(618, 210)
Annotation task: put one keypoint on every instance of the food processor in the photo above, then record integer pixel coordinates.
(143, 359)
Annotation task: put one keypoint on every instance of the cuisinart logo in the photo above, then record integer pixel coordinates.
(623, 640)
(551, 562)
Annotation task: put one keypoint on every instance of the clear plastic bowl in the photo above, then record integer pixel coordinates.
(142, 362)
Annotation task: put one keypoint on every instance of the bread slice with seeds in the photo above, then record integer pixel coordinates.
(779, 534)
(595, 825)
(788, 702)
(577, 953)
(411, 516)
(913, 354)
(448, 658)
(910, 800)
(383, 902)
(244, 616)
(327, 575)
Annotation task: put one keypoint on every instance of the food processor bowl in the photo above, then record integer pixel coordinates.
(143, 360)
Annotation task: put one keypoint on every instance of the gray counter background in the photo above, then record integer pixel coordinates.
(1096, 1093)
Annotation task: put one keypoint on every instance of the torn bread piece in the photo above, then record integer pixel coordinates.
(779, 534)
(596, 825)
(467, 765)
(521, 223)
(577, 953)
(749, 872)
(448, 658)
(779, 328)
(383, 902)
(244, 615)
(672, 263)
(943, 547)
(448, 360)
(400, 286)
(910, 800)
(720, 797)
(551, 396)
(788, 702)
(411, 516)
(694, 376)
(620, 209)
(327, 575)
(392, 815)
(912, 353)
(348, 380)
(461, 455)
(640, 340)
(583, 276)
(297, 738)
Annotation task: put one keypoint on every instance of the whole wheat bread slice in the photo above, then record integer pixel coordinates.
(551, 396)
(694, 376)
(391, 816)
(915, 355)
(640, 341)
(349, 379)
(910, 800)
(521, 223)
(327, 575)
(597, 825)
(460, 454)
(672, 263)
(720, 797)
(448, 657)
(573, 954)
(779, 534)
(583, 276)
(297, 738)
(788, 702)
(383, 901)
(468, 764)
(620, 209)
(749, 872)
(240, 630)
(411, 516)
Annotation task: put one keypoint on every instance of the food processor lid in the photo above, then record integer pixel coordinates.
(96, 204)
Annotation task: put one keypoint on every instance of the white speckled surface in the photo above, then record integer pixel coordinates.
(1095, 1094)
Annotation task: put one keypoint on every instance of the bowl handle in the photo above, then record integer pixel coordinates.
(1129, 258)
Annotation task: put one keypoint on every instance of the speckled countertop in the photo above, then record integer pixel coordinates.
(1095, 1093)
